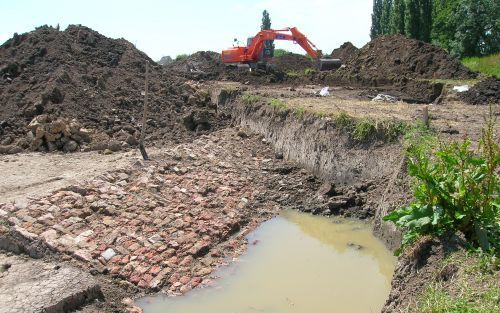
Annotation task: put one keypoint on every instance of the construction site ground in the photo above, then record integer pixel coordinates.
(78, 200)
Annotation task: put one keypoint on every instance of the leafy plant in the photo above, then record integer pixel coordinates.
(457, 189)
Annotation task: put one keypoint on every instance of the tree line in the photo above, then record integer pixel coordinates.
(463, 27)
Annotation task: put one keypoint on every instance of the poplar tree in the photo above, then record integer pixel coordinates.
(266, 21)
(413, 19)
(385, 20)
(425, 20)
(398, 17)
(376, 30)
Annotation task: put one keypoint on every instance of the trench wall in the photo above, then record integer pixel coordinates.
(326, 150)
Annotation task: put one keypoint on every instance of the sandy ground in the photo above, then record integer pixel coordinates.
(31, 175)
(453, 117)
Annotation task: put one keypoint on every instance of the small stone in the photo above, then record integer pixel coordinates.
(70, 146)
(108, 254)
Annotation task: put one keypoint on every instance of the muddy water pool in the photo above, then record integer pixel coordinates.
(295, 263)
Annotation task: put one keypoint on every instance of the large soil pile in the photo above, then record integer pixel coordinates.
(291, 62)
(485, 92)
(346, 52)
(208, 63)
(391, 59)
(97, 81)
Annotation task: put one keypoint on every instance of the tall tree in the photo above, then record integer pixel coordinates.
(478, 32)
(425, 20)
(376, 28)
(413, 19)
(398, 17)
(266, 21)
(385, 20)
(444, 25)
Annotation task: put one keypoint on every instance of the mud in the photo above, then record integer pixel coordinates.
(484, 92)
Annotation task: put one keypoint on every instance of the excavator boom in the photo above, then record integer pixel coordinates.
(253, 53)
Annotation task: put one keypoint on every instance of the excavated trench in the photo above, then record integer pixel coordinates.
(299, 262)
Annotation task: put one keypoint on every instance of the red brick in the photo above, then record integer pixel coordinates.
(155, 270)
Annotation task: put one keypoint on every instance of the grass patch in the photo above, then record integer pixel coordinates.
(489, 65)
(473, 289)
(277, 104)
(366, 129)
(300, 110)
(251, 99)
(453, 82)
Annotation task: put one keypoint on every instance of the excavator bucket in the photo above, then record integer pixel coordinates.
(329, 64)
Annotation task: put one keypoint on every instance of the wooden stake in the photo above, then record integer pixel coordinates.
(425, 115)
(144, 116)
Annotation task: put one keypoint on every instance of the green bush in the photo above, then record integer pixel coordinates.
(456, 189)
(280, 52)
(181, 57)
(309, 71)
(344, 120)
(364, 130)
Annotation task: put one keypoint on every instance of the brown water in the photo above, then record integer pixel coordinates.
(302, 263)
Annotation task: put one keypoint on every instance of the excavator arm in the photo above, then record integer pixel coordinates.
(253, 52)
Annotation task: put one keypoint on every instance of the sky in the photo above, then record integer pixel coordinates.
(171, 28)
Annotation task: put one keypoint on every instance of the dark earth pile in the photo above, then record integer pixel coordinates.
(485, 92)
(208, 65)
(394, 59)
(292, 62)
(97, 81)
(201, 62)
(346, 52)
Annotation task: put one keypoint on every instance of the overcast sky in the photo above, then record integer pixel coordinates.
(174, 27)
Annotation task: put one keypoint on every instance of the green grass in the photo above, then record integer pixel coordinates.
(300, 110)
(473, 289)
(489, 65)
(277, 104)
(251, 99)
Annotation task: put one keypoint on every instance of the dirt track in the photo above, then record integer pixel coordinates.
(33, 175)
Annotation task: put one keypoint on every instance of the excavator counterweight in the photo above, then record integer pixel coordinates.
(257, 52)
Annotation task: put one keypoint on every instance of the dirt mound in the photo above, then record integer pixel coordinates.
(291, 62)
(208, 63)
(97, 81)
(485, 92)
(345, 52)
(394, 59)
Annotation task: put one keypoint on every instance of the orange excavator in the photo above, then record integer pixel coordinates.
(260, 49)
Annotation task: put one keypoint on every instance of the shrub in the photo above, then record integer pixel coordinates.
(181, 57)
(309, 71)
(456, 189)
